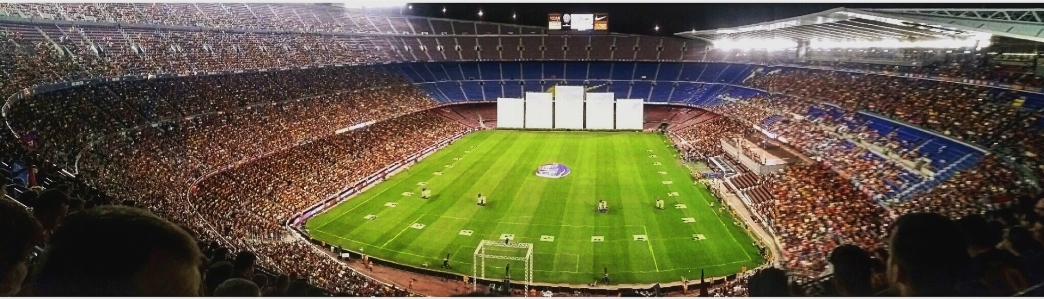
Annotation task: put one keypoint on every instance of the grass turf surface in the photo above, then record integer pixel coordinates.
(615, 166)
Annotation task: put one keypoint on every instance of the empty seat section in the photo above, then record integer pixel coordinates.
(460, 27)
(468, 46)
(491, 90)
(488, 47)
(486, 28)
(648, 47)
(554, 70)
(599, 70)
(692, 71)
(490, 70)
(645, 71)
(711, 73)
(513, 90)
(577, 47)
(511, 71)
(622, 71)
(620, 89)
(672, 49)
(640, 90)
(601, 47)
(734, 73)
(661, 92)
(472, 90)
(668, 71)
(452, 91)
(531, 47)
(510, 48)
(553, 48)
(420, 25)
(470, 70)
(576, 71)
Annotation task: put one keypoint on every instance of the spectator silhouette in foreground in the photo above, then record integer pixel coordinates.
(853, 272)
(991, 271)
(119, 251)
(927, 254)
(771, 282)
(237, 287)
(18, 232)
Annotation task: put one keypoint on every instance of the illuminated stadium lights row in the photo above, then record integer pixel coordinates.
(756, 44)
(375, 3)
(978, 42)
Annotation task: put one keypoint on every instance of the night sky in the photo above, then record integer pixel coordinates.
(671, 17)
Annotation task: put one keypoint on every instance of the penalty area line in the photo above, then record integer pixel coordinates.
(651, 249)
(400, 232)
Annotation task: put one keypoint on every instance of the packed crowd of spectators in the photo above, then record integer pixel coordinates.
(65, 120)
(966, 112)
(288, 17)
(703, 140)
(997, 253)
(816, 209)
(187, 127)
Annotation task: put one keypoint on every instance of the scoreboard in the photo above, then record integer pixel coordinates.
(578, 22)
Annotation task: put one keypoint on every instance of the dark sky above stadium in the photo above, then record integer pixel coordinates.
(641, 18)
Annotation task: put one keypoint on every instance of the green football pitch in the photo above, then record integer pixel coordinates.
(557, 215)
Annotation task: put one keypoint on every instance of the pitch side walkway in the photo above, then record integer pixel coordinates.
(742, 210)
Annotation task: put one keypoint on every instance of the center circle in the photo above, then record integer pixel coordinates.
(552, 171)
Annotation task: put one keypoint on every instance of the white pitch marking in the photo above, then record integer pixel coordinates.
(640, 238)
(663, 172)
(652, 156)
(698, 237)
(668, 182)
(422, 183)
(597, 239)
(437, 173)
(370, 217)
(391, 204)
(656, 164)
(407, 194)
(688, 220)
(465, 232)
(546, 238)
(448, 165)
(680, 206)
(417, 226)
(672, 194)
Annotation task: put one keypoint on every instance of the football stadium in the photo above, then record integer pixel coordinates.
(520, 149)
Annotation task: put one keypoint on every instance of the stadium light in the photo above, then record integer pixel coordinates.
(774, 44)
(657, 28)
(978, 41)
(513, 16)
(443, 10)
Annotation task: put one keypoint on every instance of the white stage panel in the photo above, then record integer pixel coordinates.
(539, 114)
(630, 114)
(600, 111)
(511, 113)
(569, 107)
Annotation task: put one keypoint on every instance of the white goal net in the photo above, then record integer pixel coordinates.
(500, 250)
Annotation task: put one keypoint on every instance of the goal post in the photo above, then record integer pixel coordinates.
(478, 264)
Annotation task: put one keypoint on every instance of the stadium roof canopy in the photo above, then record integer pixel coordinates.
(847, 24)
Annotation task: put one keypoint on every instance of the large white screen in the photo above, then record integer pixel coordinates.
(630, 114)
(600, 110)
(511, 113)
(569, 107)
(538, 110)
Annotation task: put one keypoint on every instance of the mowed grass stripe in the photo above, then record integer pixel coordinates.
(459, 202)
(613, 166)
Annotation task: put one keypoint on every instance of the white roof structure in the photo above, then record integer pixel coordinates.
(847, 24)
